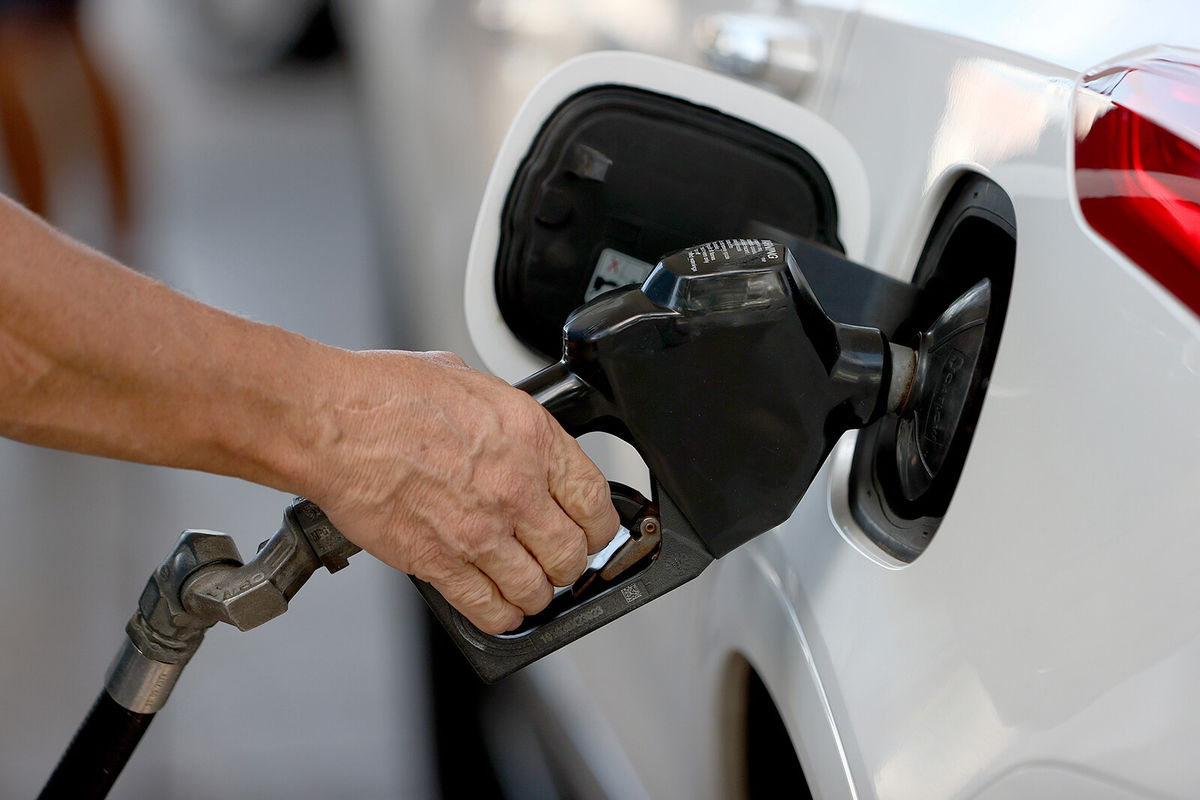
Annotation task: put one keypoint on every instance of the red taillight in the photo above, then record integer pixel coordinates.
(1137, 167)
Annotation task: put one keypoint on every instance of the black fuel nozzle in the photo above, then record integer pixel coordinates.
(732, 382)
(726, 374)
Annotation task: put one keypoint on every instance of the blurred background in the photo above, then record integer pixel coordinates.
(311, 164)
(232, 169)
(224, 155)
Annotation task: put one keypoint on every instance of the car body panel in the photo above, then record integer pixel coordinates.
(1059, 581)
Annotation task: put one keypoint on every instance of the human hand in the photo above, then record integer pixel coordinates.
(461, 480)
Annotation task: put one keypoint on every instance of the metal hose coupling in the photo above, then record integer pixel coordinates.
(203, 581)
(904, 371)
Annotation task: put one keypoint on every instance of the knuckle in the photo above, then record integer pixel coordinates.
(567, 562)
(530, 419)
(509, 485)
(480, 540)
(597, 499)
(533, 592)
(490, 614)
(516, 491)
(496, 618)
(447, 358)
(468, 592)
(428, 560)
(597, 493)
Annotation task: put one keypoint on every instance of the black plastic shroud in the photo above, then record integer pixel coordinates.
(729, 379)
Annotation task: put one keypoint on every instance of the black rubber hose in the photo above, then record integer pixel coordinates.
(104, 742)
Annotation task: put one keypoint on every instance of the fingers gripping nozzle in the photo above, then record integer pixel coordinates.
(657, 553)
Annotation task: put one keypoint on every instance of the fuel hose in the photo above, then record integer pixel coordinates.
(101, 747)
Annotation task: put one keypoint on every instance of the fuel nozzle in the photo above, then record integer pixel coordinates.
(725, 372)
(734, 385)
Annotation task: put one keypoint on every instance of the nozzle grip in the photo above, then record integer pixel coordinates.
(569, 399)
(681, 556)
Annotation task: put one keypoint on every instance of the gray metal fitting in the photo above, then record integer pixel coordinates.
(904, 369)
(244, 598)
(203, 581)
(139, 683)
(249, 595)
(162, 628)
(327, 542)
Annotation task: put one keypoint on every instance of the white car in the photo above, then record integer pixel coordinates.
(1023, 623)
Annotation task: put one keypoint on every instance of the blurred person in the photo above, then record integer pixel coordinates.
(56, 107)
(436, 469)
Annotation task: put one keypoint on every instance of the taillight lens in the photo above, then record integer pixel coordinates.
(1137, 166)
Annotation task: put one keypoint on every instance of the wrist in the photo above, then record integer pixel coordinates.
(350, 408)
(284, 429)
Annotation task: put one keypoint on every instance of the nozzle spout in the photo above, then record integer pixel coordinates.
(904, 370)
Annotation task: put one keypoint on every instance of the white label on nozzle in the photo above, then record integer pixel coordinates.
(718, 253)
(615, 269)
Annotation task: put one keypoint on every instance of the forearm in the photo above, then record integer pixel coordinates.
(97, 358)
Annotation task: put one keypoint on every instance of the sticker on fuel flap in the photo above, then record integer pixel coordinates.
(613, 270)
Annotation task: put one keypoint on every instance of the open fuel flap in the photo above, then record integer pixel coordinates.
(906, 467)
(617, 159)
(683, 245)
